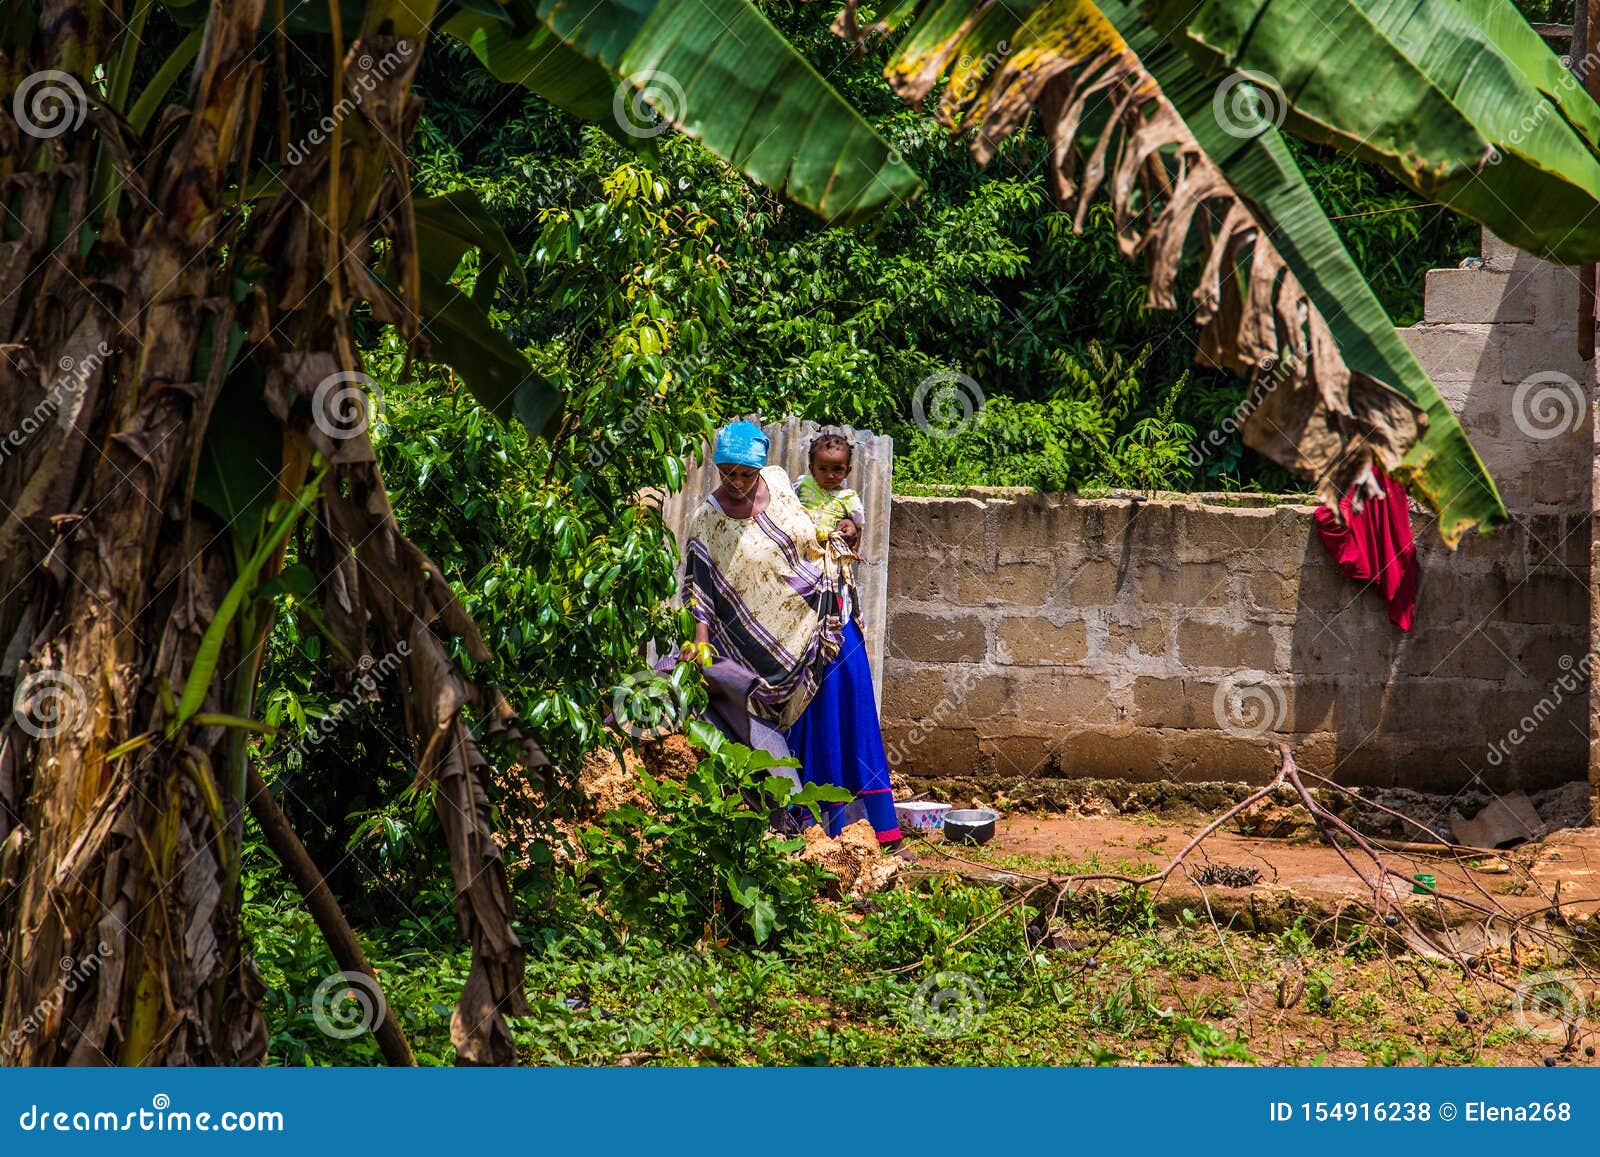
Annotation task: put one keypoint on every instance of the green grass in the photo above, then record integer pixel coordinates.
(938, 976)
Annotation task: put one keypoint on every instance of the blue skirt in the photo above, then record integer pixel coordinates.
(839, 742)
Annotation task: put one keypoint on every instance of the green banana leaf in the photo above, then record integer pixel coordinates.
(1463, 115)
(539, 60)
(1516, 38)
(461, 336)
(1442, 469)
(719, 71)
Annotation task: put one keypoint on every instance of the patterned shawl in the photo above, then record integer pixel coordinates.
(769, 593)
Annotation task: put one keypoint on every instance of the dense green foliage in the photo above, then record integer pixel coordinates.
(981, 277)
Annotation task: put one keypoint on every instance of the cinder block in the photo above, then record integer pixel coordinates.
(1498, 255)
(934, 639)
(1558, 600)
(1009, 584)
(1444, 710)
(1050, 704)
(1211, 532)
(1271, 592)
(1535, 350)
(1024, 755)
(918, 577)
(1539, 657)
(1575, 542)
(1564, 484)
(915, 750)
(1208, 756)
(1149, 638)
(1456, 651)
(1033, 640)
(1555, 296)
(986, 697)
(938, 526)
(1319, 704)
(1033, 528)
(909, 690)
(1160, 702)
(1476, 295)
(1087, 583)
(1194, 584)
(1457, 351)
(1135, 754)
(1100, 524)
(1535, 655)
(1233, 647)
(1154, 528)
(1448, 595)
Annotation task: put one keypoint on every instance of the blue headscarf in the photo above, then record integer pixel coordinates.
(741, 443)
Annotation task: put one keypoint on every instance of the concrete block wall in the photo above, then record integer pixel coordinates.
(1038, 636)
(1500, 342)
(1046, 635)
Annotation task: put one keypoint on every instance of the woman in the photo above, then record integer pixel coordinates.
(765, 593)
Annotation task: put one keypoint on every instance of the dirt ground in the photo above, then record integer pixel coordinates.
(1498, 966)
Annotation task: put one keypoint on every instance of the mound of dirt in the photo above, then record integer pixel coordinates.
(670, 757)
(1273, 820)
(606, 782)
(855, 859)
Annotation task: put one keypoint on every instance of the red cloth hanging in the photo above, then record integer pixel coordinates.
(1374, 545)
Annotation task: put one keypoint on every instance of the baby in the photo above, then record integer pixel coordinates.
(834, 508)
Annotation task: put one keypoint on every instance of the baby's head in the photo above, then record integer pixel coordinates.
(830, 460)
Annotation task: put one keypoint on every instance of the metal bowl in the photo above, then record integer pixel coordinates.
(970, 825)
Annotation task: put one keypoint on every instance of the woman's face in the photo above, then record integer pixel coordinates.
(739, 481)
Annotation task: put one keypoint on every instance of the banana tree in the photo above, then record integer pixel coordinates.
(1176, 107)
(184, 264)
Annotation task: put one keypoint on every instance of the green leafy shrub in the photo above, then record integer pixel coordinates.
(699, 862)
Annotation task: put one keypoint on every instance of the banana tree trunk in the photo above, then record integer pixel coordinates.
(175, 358)
(116, 944)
